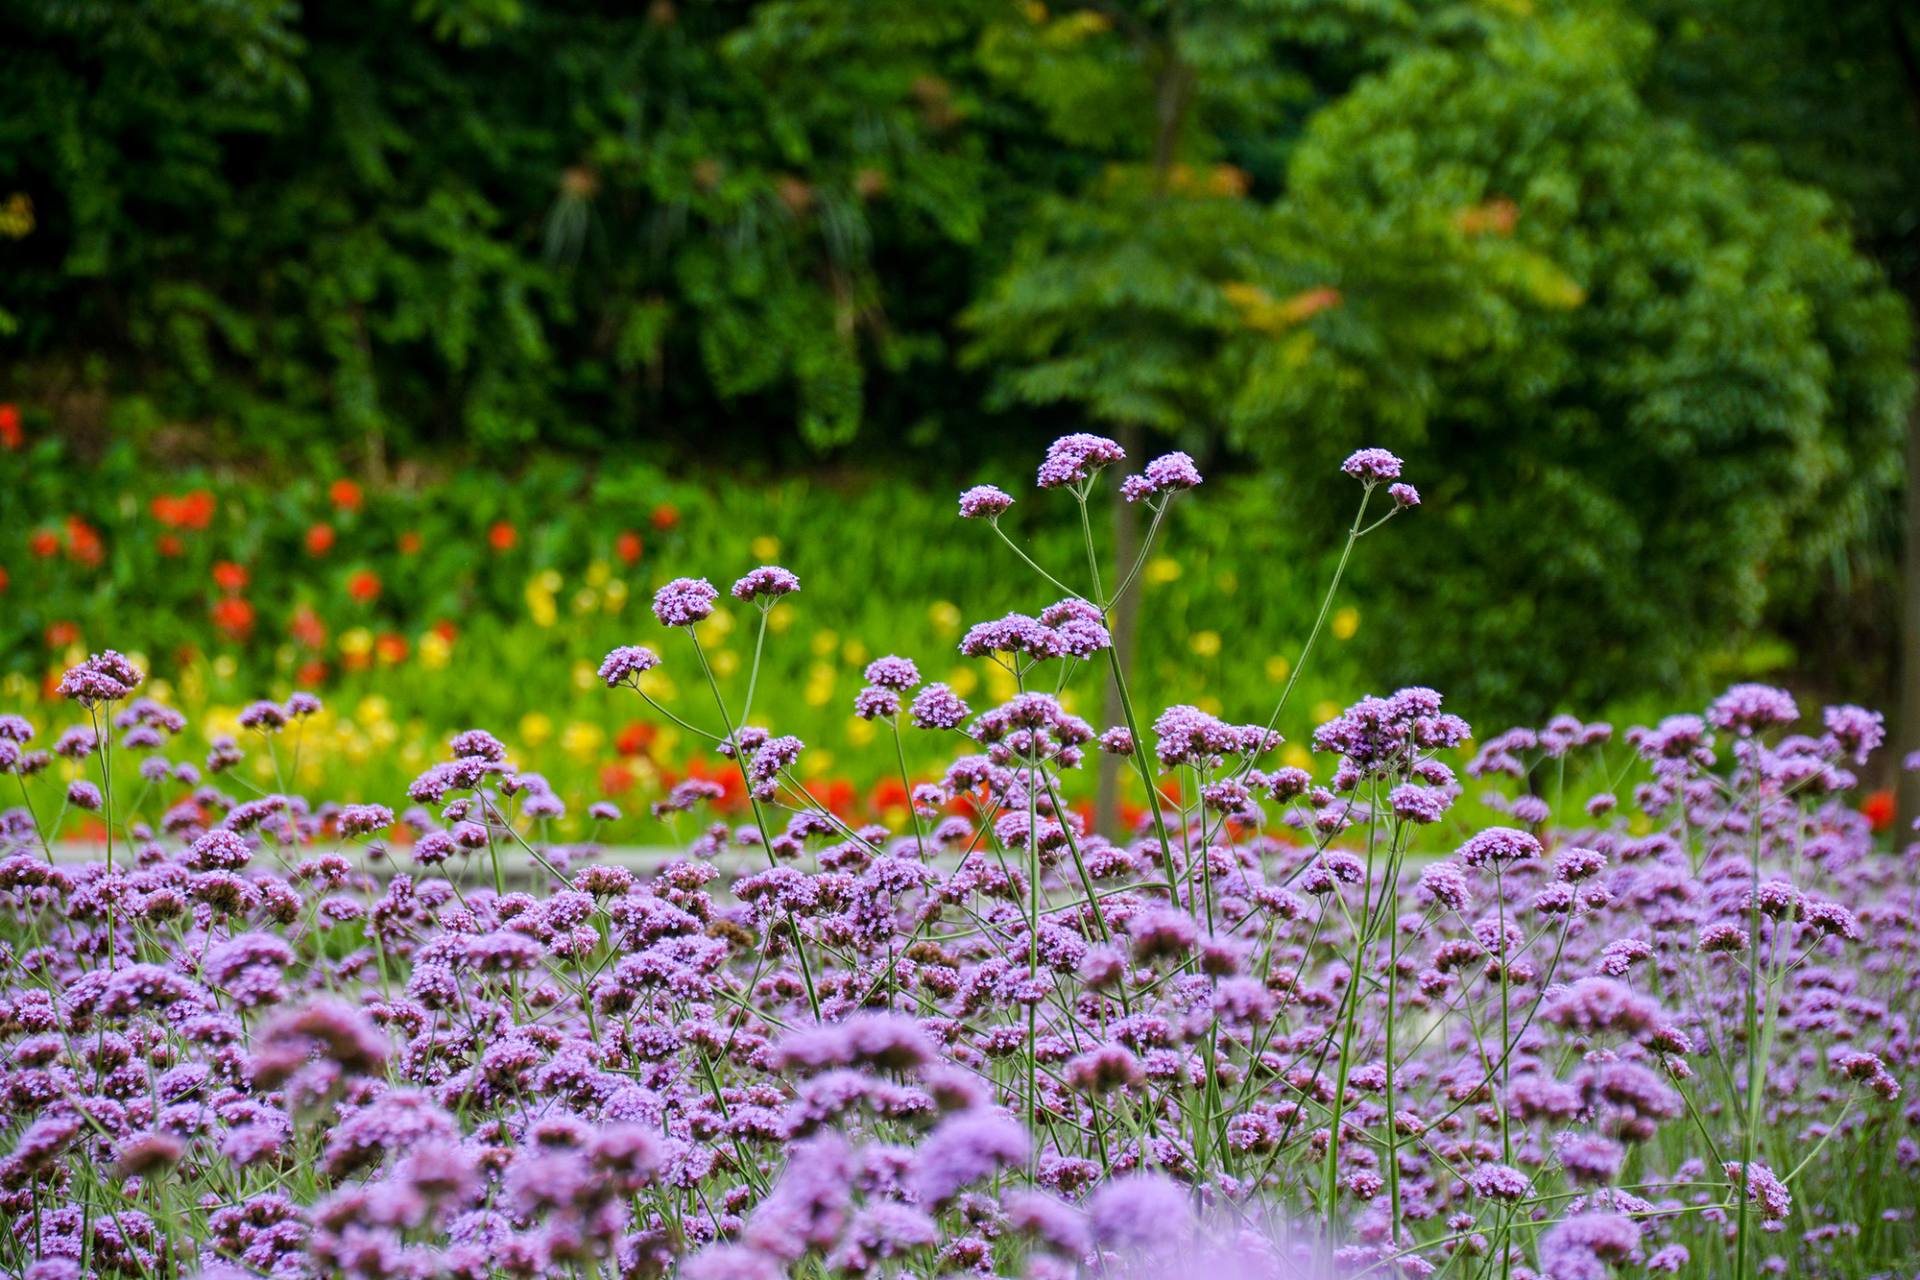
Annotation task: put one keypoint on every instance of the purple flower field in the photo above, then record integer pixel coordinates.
(1658, 1019)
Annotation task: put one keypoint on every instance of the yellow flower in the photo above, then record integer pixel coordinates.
(766, 546)
(1206, 643)
(1211, 705)
(586, 600)
(549, 581)
(859, 732)
(584, 676)
(824, 642)
(599, 574)
(855, 653)
(1297, 755)
(1228, 581)
(779, 619)
(1162, 570)
(357, 643)
(963, 681)
(536, 727)
(820, 682)
(435, 651)
(372, 710)
(1346, 621)
(1000, 683)
(540, 604)
(1324, 711)
(816, 762)
(582, 740)
(1277, 668)
(263, 768)
(615, 596)
(720, 625)
(725, 662)
(945, 615)
(224, 666)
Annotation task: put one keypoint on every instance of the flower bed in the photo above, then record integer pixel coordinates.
(416, 611)
(1303, 1021)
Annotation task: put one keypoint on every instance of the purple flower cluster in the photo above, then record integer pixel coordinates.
(1290, 1023)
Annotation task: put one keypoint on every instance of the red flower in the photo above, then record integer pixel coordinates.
(196, 509)
(320, 539)
(234, 616)
(10, 435)
(364, 586)
(665, 516)
(391, 648)
(410, 543)
(62, 634)
(837, 794)
(616, 780)
(230, 577)
(636, 738)
(446, 631)
(188, 511)
(312, 672)
(1879, 809)
(307, 628)
(888, 793)
(502, 536)
(3, 578)
(44, 543)
(628, 546)
(170, 546)
(344, 494)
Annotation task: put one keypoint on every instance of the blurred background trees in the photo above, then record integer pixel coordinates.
(1622, 278)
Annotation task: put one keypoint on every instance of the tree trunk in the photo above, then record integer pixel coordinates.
(1906, 736)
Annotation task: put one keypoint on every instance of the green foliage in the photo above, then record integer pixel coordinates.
(1575, 258)
(492, 221)
(1653, 378)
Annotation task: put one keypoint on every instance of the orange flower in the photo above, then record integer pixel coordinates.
(410, 542)
(311, 672)
(44, 543)
(628, 546)
(502, 536)
(1879, 809)
(364, 586)
(344, 494)
(665, 516)
(635, 738)
(83, 543)
(170, 546)
(230, 577)
(10, 434)
(446, 631)
(391, 648)
(887, 793)
(320, 539)
(62, 634)
(234, 616)
(616, 780)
